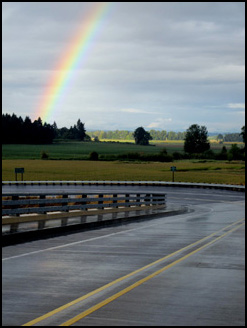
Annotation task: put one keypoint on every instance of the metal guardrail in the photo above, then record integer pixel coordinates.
(131, 183)
(63, 202)
(21, 208)
(18, 209)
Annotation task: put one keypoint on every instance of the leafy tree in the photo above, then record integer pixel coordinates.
(220, 137)
(196, 139)
(141, 136)
(232, 137)
(180, 135)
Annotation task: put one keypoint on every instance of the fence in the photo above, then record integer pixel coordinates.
(17, 209)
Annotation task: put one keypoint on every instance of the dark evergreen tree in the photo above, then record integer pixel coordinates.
(15, 130)
(81, 132)
(243, 134)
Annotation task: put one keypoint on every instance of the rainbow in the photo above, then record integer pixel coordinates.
(78, 49)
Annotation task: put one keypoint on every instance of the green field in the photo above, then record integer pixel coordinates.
(187, 171)
(69, 161)
(72, 150)
(81, 150)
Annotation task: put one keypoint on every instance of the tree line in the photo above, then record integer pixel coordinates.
(196, 145)
(18, 130)
(229, 137)
(156, 135)
(128, 135)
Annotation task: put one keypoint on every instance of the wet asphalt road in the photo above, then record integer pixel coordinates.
(183, 270)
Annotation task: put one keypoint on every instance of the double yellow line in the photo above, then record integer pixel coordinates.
(236, 225)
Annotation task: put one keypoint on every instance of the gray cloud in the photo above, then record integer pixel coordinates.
(182, 62)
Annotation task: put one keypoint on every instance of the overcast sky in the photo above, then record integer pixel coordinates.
(160, 65)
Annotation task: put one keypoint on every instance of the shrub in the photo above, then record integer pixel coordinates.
(93, 156)
(129, 156)
(222, 155)
(177, 156)
(161, 157)
(44, 155)
(235, 153)
(208, 154)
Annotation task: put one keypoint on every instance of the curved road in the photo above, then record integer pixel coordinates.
(178, 270)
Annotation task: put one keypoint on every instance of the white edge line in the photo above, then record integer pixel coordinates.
(84, 241)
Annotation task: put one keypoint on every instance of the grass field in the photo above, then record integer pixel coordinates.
(72, 150)
(67, 161)
(187, 171)
(81, 150)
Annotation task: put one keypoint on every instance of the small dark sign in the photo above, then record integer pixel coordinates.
(19, 170)
(173, 168)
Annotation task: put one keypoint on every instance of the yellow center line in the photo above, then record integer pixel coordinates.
(138, 283)
(67, 305)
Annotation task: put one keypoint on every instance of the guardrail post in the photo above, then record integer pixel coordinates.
(15, 206)
(147, 198)
(64, 221)
(100, 201)
(65, 204)
(41, 224)
(114, 215)
(83, 218)
(84, 196)
(115, 201)
(100, 217)
(138, 199)
(42, 204)
(13, 227)
(127, 200)
(164, 199)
